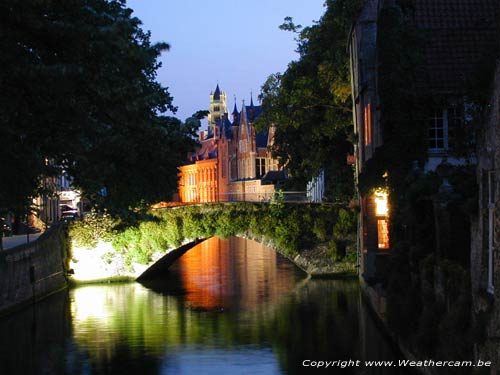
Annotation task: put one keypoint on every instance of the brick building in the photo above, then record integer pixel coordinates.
(233, 162)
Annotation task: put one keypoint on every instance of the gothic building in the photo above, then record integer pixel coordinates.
(233, 162)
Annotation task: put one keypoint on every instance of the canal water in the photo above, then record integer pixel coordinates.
(228, 306)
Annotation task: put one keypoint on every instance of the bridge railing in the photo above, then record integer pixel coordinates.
(264, 197)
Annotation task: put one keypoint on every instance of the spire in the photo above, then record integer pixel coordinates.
(236, 114)
(244, 128)
(217, 93)
(243, 117)
(251, 99)
(235, 109)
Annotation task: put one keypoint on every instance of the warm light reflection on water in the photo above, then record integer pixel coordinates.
(224, 273)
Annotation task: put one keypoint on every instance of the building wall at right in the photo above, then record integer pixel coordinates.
(485, 257)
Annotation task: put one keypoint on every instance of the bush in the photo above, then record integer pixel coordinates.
(291, 227)
(94, 227)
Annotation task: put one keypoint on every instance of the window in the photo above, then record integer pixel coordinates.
(368, 125)
(383, 233)
(216, 108)
(438, 131)
(233, 169)
(224, 163)
(273, 164)
(242, 146)
(260, 167)
(381, 213)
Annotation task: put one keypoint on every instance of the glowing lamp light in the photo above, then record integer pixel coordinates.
(381, 203)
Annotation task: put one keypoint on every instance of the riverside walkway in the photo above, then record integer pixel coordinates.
(20, 239)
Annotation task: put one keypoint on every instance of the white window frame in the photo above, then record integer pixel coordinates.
(434, 138)
(260, 167)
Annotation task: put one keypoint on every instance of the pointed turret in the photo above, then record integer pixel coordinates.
(236, 114)
(243, 114)
(217, 93)
(244, 127)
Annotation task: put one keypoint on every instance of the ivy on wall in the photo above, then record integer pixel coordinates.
(431, 320)
(291, 227)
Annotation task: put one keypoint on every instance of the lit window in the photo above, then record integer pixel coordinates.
(368, 124)
(382, 212)
(383, 233)
(381, 206)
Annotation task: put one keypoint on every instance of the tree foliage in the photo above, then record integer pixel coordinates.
(78, 93)
(311, 102)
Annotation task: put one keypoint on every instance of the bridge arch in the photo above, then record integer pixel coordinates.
(166, 261)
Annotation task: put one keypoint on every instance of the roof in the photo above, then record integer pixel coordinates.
(217, 93)
(235, 110)
(458, 34)
(253, 111)
(226, 127)
(274, 176)
(261, 139)
(236, 116)
(208, 150)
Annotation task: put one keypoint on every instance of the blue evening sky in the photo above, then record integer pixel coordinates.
(231, 42)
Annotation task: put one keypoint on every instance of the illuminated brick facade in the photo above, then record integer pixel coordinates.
(233, 162)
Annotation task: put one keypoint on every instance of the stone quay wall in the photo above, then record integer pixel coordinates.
(34, 270)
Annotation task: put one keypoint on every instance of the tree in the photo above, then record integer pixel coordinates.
(310, 103)
(78, 93)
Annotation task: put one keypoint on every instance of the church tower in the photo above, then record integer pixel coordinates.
(217, 110)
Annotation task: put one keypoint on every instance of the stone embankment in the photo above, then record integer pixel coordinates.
(34, 270)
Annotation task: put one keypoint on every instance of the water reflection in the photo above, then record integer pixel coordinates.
(223, 310)
(233, 273)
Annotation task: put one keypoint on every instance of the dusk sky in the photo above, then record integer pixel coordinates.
(234, 43)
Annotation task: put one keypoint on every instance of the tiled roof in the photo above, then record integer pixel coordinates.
(458, 33)
(253, 111)
(261, 139)
(207, 150)
(235, 110)
(226, 128)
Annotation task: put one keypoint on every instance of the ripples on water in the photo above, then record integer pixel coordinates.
(225, 307)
